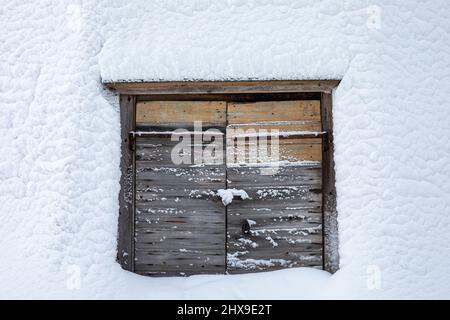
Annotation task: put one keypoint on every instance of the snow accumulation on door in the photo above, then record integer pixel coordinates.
(60, 129)
(227, 195)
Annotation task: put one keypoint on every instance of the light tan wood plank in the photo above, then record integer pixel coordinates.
(177, 112)
(288, 126)
(299, 110)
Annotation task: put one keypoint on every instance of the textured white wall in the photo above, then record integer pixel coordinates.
(59, 131)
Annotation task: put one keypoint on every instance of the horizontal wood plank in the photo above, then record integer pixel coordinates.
(291, 150)
(280, 126)
(209, 112)
(243, 262)
(222, 87)
(284, 176)
(181, 259)
(180, 153)
(273, 111)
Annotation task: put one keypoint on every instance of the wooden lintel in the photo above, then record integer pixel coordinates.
(222, 87)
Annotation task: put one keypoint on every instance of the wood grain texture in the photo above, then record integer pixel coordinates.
(159, 151)
(125, 251)
(271, 111)
(179, 220)
(280, 225)
(284, 176)
(177, 223)
(231, 97)
(331, 256)
(292, 150)
(222, 87)
(179, 112)
(281, 126)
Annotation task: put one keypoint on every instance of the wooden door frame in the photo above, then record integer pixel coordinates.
(130, 92)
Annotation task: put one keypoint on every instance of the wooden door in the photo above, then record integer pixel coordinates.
(280, 226)
(180, 225)
(179, 222)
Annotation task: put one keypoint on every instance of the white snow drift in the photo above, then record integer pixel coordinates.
(59, 129)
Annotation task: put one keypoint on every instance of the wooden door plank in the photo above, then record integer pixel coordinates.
(125, 250)
(280, 225)
(179, 221)
(291, 150)
(153, 113)
(282, 126)
(273, 111)
(161, 151)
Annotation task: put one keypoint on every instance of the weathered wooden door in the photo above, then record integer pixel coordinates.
(280, 225)
(179, 222)
(180, 225)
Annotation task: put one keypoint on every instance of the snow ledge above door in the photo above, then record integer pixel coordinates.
(210, 49)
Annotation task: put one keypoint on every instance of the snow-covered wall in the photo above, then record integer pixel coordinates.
(59, 129)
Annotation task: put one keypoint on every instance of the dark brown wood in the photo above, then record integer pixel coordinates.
(330, 234)
(234, 97)
(125, 250)
(223, 87)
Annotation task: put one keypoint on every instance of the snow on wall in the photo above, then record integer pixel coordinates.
(230, 40)
(59, 129)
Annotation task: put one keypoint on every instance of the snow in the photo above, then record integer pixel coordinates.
(227, 195)
(251, 264)
(60, 136)
(215, 40)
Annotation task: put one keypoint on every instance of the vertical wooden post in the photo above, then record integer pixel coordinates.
(225, 158)
(330, 226)
(125, 250)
